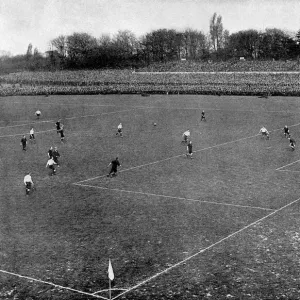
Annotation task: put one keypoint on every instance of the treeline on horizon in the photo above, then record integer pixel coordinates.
(125, 50)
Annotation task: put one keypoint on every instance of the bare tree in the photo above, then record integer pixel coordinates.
(60, 44)
(216, 31)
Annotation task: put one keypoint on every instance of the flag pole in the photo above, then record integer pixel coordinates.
(109, 289)
(111, 276)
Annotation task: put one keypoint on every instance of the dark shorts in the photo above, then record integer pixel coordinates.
(31, 136)
(120, 130)
(113, 170)
(28, 185)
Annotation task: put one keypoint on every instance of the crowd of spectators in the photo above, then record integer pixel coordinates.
(128, 81)
(225, 66)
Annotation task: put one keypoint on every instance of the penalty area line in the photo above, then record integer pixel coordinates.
(279, 169)
(52, 284)
(173, 197)
(205, 249)
(176, 156)
(168, 158)
(107, 290)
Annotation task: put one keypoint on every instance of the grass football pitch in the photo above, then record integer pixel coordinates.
(223, 225)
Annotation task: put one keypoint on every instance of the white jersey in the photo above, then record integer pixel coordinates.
(28, 178)
(120, 126)
(264, 130)
(31, 131)
(50, 162)
(37, 112)
(187, 133)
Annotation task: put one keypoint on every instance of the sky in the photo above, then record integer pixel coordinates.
(39, 21)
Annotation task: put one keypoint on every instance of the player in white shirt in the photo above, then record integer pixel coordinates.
(28, 183)
(264, 132)
(38, 114)
(51, 165)
(31, 134)
(185, 136)
(120, 127)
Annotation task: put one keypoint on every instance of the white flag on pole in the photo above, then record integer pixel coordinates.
(111, 275)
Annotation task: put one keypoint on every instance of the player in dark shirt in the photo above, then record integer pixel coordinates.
(62, 135)
(286, 131)
(50, 152)
(24, 142)
(292, 143)
(203, 116)
(58, 126)
(56, 155)
(114, 167)
(189, 149)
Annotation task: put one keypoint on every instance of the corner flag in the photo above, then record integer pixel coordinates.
(111, 275)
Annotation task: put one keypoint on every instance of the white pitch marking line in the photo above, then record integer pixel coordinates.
(63, 104)
(220, 109)
(291, 171)
(248, 72)
(18, 134)
(53, 284)
(168, 158)
(287, 165)
(106, 290)
(173, 197)
(106, 113)
(205, 249)
(19, 125)
(85, 116)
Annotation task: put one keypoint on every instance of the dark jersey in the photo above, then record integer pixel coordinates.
(50, 153)
(190, 148)
(286, 130)
(57, 124)
(292, 141)
(114, 164)
(23, 141)
(55, 154)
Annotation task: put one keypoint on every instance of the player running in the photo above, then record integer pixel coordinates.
(58, 126)
(61, 132)
(55, 156)
(292, 143)
(203, 116)
(31, 135)
(24, 142)
(185, 136)
(114, 167)
(264, 132)
(28, 183)
(119, 132)
(189, 150)
(286, 131)
(50, 164)
(50, 152)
